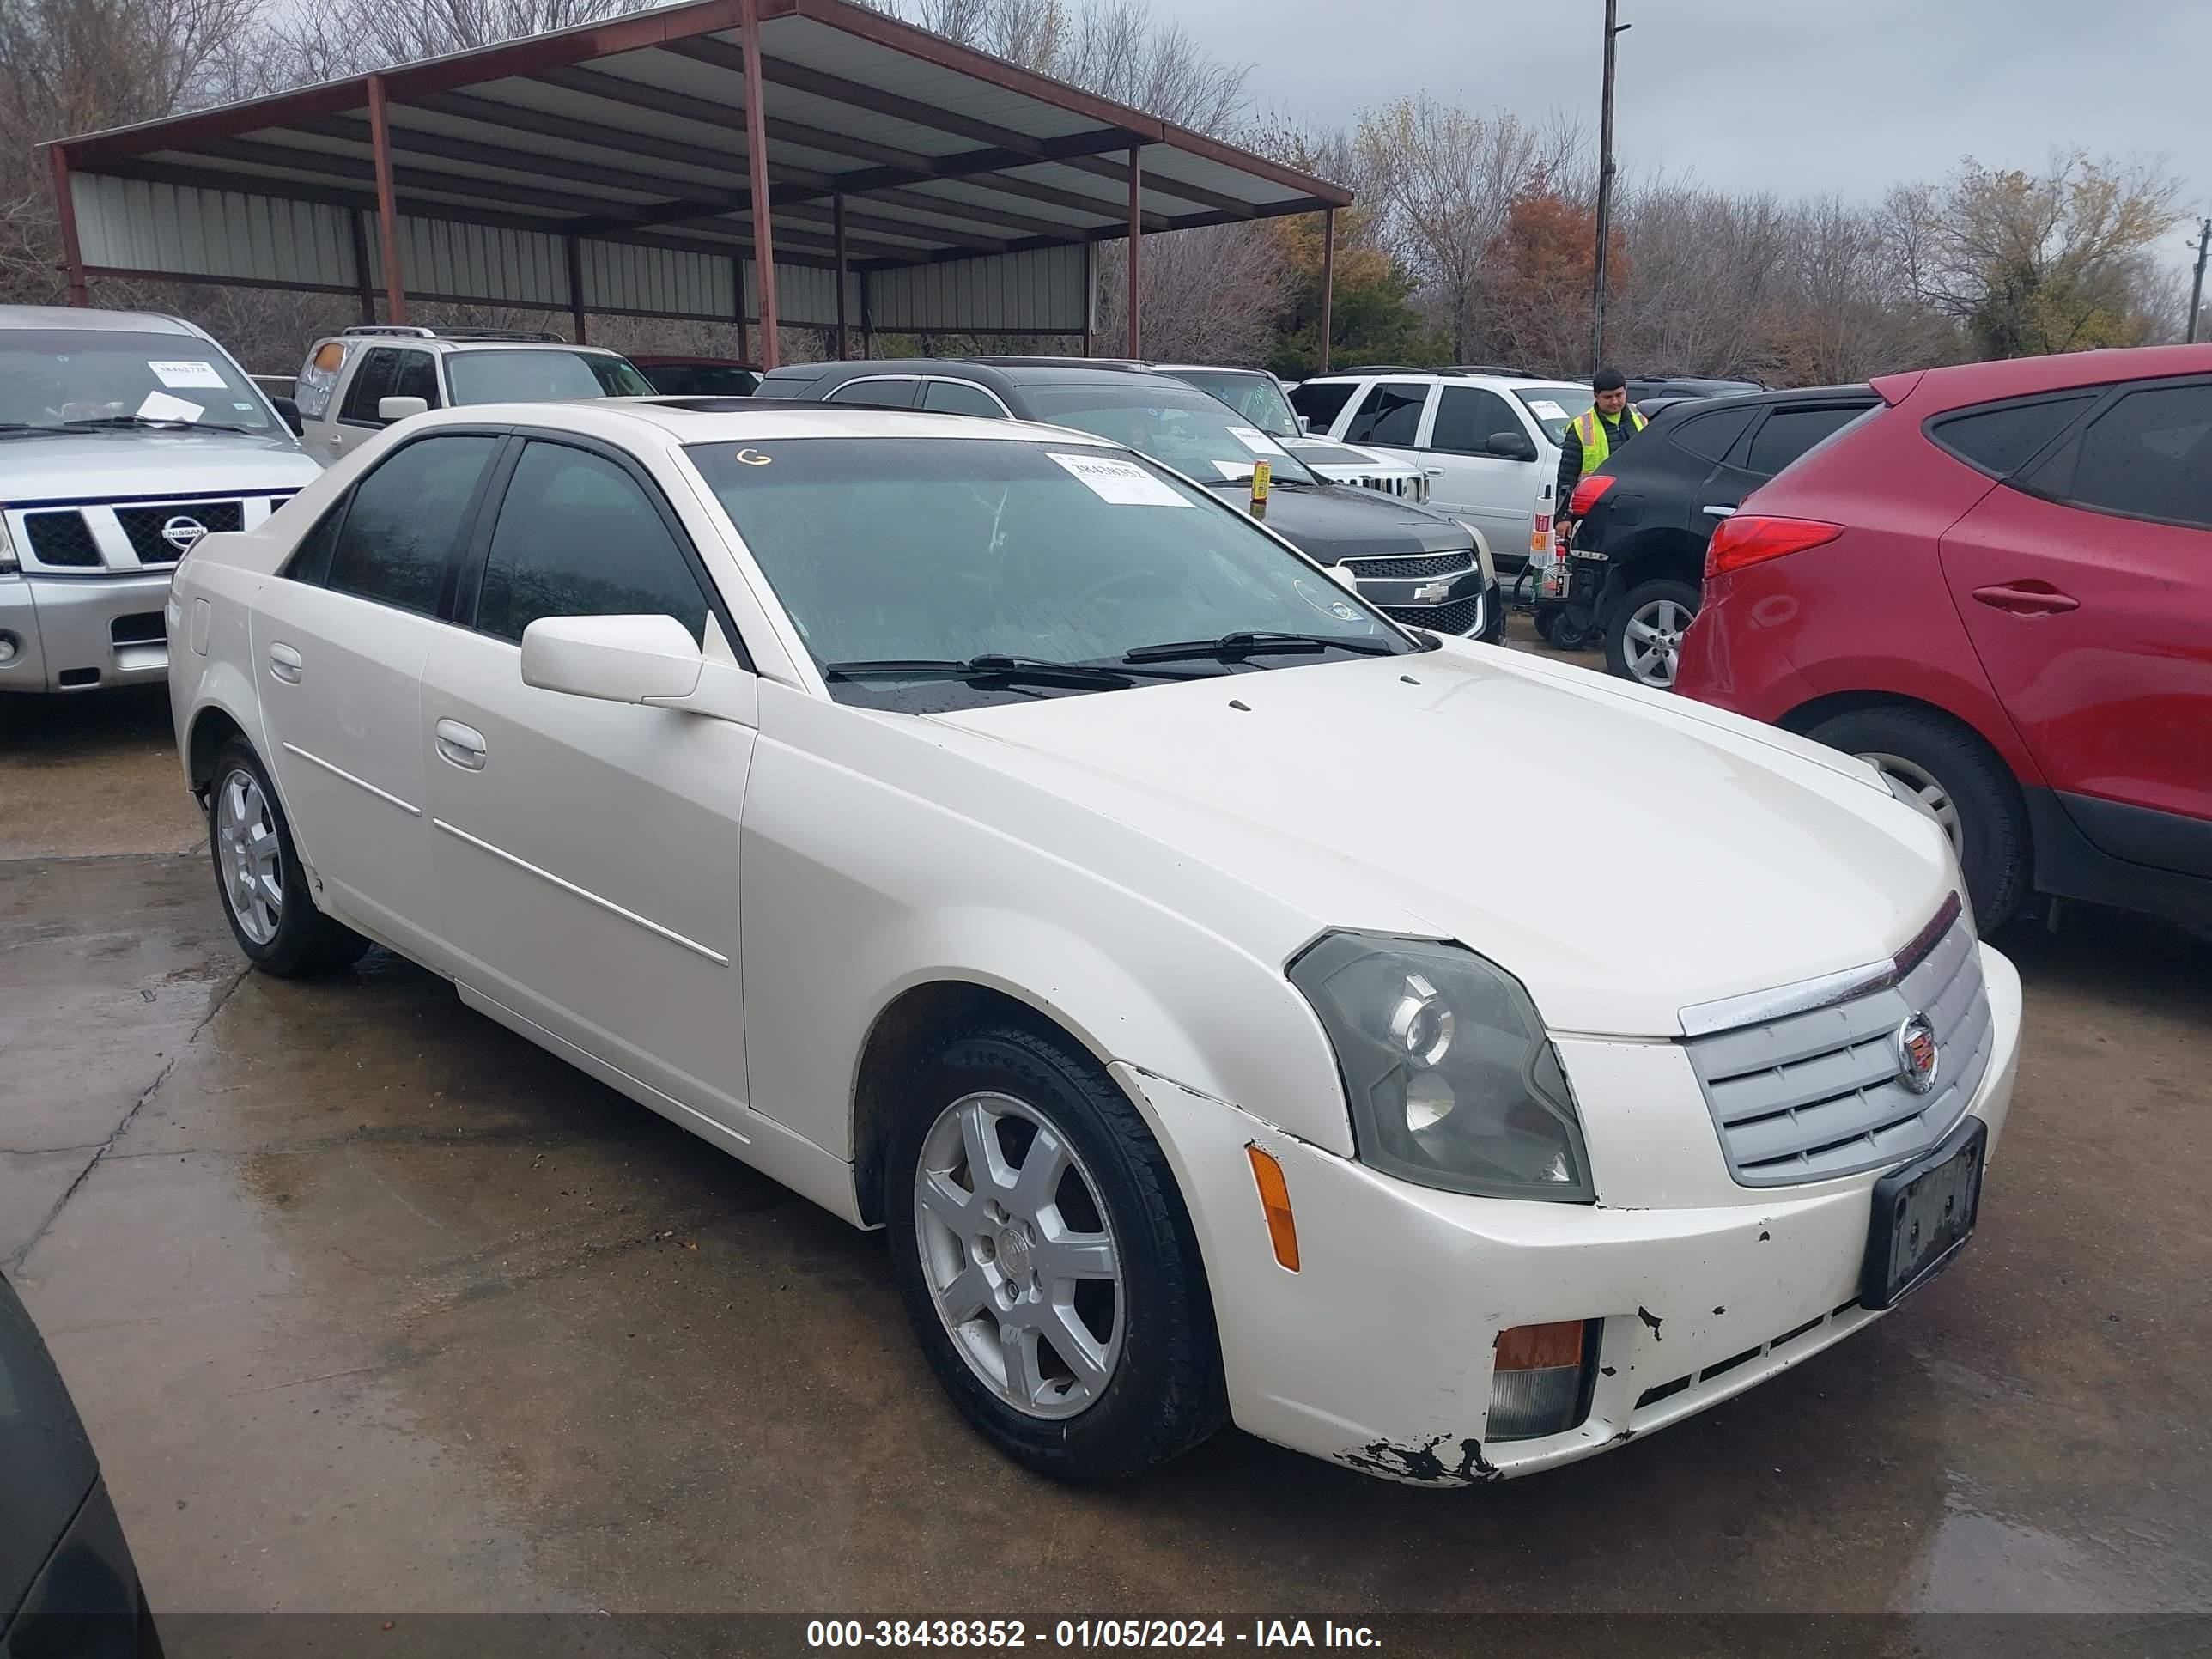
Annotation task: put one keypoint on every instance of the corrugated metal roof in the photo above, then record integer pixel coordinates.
(632, 133)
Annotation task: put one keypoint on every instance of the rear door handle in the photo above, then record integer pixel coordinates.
(284, 663)
(460, 745)
(1719, 511)
(2027, 598)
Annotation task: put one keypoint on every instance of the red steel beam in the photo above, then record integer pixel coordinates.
(1136, 249)
(65, 213)
(575, 249)
(756, 155)
(387, 216)
(837, 203)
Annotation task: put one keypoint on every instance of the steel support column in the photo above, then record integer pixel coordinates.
(1136, 246)
(837, 214)
(388, 216)
(756, 157)
(575, 248)
(65, 215)
(1327, 279)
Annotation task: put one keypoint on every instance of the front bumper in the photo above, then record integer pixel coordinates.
(78, 634)
(1377, 1353)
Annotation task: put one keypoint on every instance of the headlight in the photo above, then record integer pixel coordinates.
(1452, 1081)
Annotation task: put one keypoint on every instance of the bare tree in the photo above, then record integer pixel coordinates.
(1210, 295)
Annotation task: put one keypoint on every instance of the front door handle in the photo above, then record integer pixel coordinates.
(2027, 598)
(284, 663)
(460, 745)
(1434, 471)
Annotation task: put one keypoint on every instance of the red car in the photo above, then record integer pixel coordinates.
(1996, 587)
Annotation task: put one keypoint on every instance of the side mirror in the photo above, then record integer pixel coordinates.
(1344, 578)
(398, 408)
(1305, 424)
(289, 412)
(1509, 446)
(613, 659)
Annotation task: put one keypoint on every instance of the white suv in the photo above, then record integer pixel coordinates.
(356, 384)
(1488, 439)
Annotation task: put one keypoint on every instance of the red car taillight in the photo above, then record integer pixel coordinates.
(1586, 495)
(1750, 538)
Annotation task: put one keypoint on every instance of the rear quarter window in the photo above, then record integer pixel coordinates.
(2001, 440)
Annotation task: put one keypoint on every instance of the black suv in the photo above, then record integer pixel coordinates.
(1417, 567)
(1650, 509)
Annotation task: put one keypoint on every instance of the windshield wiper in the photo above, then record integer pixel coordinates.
(1250, 644)
(153, 423)
(988, 666)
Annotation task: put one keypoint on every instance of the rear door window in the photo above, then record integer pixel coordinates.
(2149, 456)
(1789, 433)
(406, 518)
(415, 377)
(876, 394)
(1389, 415)
(1710, 437)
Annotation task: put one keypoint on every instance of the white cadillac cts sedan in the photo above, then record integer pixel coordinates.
(1002, 842)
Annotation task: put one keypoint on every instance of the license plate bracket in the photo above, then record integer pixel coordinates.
(1923, 1215)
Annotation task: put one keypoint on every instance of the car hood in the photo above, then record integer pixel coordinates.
(1334, 522)
(101, 465)
(1625, 858)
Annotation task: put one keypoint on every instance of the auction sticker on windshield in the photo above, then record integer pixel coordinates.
(160, 406)
(1544, 410)
(176, 374)
(1255, 441)
(1123, 482)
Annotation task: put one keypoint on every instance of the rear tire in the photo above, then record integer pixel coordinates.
(1644, 640)
(1961, 780)
(983, 1263)
(260, 880)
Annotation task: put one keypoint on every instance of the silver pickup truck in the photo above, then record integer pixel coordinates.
(125, 437)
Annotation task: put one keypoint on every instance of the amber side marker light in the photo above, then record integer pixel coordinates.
(1275, 1204)
(1540, 1383)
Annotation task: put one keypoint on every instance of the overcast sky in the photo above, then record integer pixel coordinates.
(1788, 95)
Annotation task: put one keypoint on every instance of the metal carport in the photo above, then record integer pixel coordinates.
(763, 161)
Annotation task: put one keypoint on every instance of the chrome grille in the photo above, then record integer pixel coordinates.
(1413, 570)
(1812, 1095)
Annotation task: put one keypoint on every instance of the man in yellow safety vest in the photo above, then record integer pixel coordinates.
(1595, 435)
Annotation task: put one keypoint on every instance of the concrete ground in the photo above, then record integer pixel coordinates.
(370, 1306)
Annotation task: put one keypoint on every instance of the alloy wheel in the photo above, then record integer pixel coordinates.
(1018, 1255)
(1655, 640)
(252, 862)
(1927, 792)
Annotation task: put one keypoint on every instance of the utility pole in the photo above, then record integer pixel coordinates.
(1604, 188)
(2197, 288)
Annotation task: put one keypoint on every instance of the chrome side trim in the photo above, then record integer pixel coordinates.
(358, 783)
(1756, 1007)
(587, 895)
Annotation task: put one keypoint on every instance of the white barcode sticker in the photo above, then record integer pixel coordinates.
(1545, 410)
(1255, 441)
(176, 374)
(1122, 483)
(160, 406)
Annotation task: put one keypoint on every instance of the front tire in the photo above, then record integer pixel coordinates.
(1046, 1263)
(1960, 783)
(259, 879)
(1643, 641)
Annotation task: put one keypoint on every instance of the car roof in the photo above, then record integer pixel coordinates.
(1443, 376)
(665, 359)
(694, 420)
(1960, 384)
(1680, 408)
(1000, 376)
(81, 317)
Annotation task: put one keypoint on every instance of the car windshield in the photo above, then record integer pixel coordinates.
(51, 378)
(1555, 406)
(932, 550)
(537, 375)
(1176, 425)
(1258, 398)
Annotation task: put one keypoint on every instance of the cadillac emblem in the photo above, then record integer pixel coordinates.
(1918, 1061)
